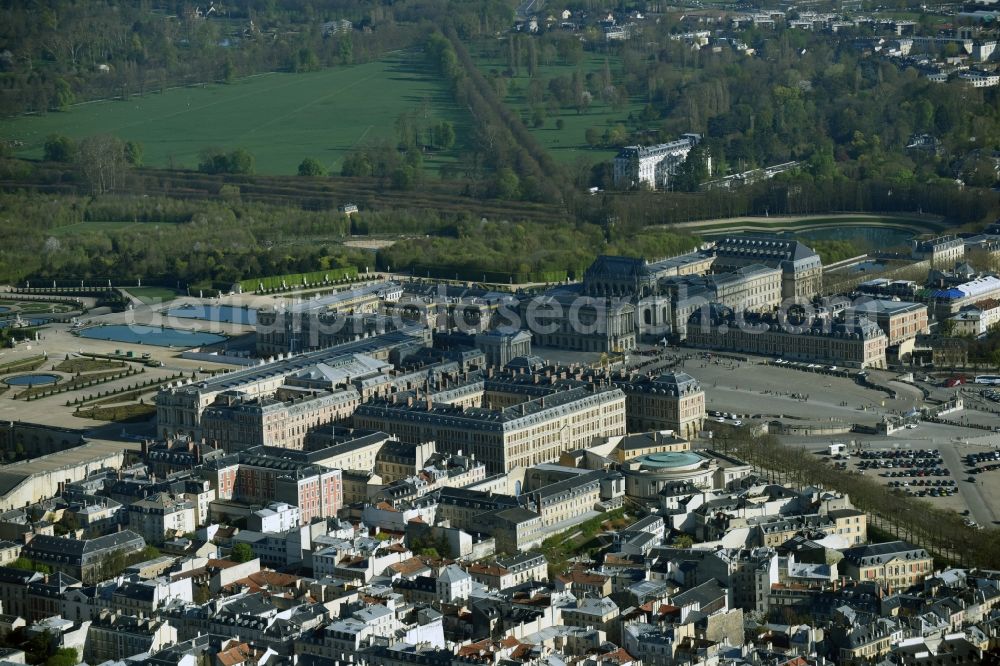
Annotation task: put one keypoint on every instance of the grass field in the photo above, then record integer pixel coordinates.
(151, 295)
(567, 144)
(75, 365)
(86, 227)
(281, 118)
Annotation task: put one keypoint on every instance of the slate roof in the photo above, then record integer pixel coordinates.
(880, 553)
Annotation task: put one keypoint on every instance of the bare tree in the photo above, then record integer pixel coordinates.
(102, 160)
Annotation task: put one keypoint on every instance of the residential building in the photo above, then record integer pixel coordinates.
(896, 564)
(941, 252)
(522, 435)
(267, 474)
(162, 517)
(84, 559)
(275, 517)
(507, 572)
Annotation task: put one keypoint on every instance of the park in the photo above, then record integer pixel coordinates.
(279, 117)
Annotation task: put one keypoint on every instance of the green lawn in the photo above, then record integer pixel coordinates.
(569, 143)
(151, 295)
(279, 117)
(85, 227)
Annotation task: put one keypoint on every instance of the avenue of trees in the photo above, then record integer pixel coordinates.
(941, 531)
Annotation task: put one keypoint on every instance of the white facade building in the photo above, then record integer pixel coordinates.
(276, 517)
(653, 165)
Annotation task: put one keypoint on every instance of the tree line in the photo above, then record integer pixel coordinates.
(941, 531)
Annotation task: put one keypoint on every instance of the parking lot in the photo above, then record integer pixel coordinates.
(794, 393)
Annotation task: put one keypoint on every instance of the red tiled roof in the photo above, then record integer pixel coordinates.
(619, 656)
(234, 653)
(474, 649)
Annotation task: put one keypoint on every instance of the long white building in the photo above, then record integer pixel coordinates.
(653, 165)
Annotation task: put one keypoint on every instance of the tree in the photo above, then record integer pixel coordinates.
(28, 565)
(345, 50)
(216, 160)
(241, 161)
(59, 148)
(980, 173)
(311, 167)
(403, 177)
(63, 657)
(683, 541)
(133, 153)
(357, 163)
(508, 185)
(693, 171)
(241, 552)
(102, 159)
(443, 135)
(305, 61)
(64, 95)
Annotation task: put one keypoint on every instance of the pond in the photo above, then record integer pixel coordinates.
(225, 314)
(872, 238)
(24, 322)
(867, 267)
(150, 335)
(39, 379)
(3, 309)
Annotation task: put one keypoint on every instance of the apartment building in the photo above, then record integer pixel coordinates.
(268, 474)
(895, 564)
(525, 434)
(976, 319)
(850, 524)
(162, 517)
(82, 559)
(113, 636)
(507, 572)
(941, 252)
(673, 401)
